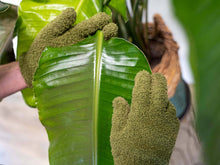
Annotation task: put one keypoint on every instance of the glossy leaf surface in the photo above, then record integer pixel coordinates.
(75, 87)
(201, 20)
(34, 15)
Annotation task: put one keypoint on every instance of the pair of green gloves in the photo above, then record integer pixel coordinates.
(143, 133)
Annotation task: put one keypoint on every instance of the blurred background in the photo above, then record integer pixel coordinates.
(23, 140)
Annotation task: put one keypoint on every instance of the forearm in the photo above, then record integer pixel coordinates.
(11, 80)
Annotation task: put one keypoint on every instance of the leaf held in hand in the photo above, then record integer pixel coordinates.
(74, 88)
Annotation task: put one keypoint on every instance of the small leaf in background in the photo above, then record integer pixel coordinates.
(134, 28)
(201, 20)
(120, 7)
(8, 17)
(75, 87)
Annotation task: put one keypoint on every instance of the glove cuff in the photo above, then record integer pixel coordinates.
(140, 160)
(26, 71)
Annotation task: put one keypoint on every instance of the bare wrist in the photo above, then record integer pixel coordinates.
(11, 79)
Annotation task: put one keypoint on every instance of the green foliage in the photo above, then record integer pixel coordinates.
(58, 33)
(34, 15)
(120, 7)
(8, 17)
(135, 29)
(74, 88)
(201, 21)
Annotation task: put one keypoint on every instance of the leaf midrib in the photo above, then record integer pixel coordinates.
(79, 6)
(97, 75)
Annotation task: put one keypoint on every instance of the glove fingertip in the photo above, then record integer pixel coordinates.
(69, 12)
(141, 74)
(118, 101)
(141, 88)
(110, 30)
(61, 23)
(160, 77)
(103, 16)
(68, 16)
(101, 19)
(120, 113)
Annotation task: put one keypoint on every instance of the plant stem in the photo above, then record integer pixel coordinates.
(138, 29)
(101, 5)
(145, 22)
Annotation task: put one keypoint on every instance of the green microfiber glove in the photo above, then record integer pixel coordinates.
(145, 133)
(61, 32)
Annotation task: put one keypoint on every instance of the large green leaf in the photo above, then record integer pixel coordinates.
(8, 17)
(75, 86)
(201, 19)
(34, 15)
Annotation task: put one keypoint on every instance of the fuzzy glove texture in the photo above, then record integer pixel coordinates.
(145, 133)
(61, 32)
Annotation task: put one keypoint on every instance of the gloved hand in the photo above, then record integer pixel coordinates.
(59, 33)
(144, 133)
